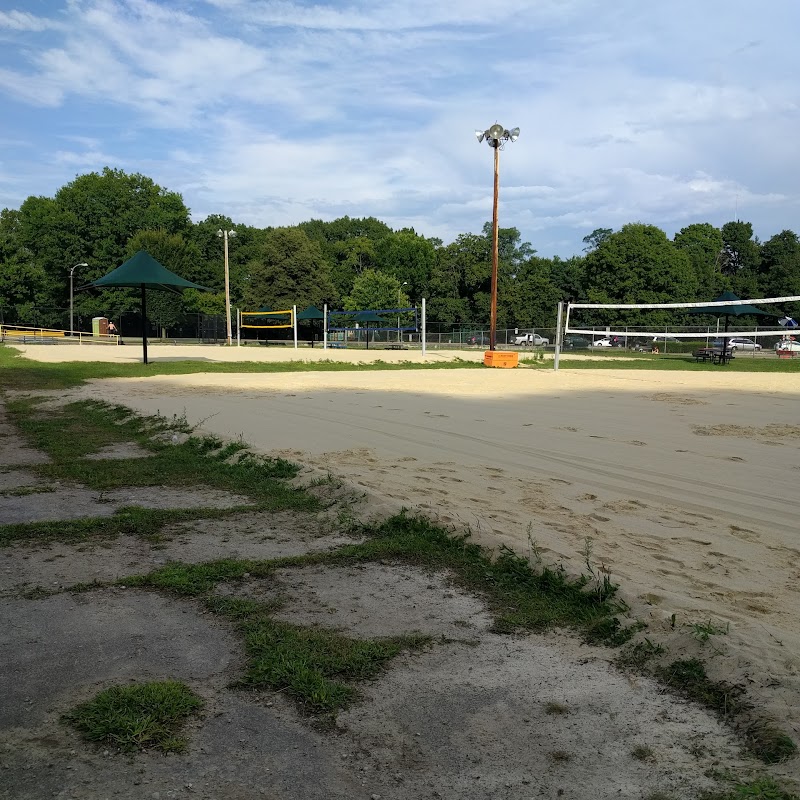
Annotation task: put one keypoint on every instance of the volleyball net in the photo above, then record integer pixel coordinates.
(256, 319)
(575, 312)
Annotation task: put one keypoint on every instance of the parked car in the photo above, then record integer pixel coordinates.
(608, 341)
(738, 343)
(788, 344)
(574, 342)
(666, 338)
(531, 339)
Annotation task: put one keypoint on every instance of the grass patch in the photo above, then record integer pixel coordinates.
(763, 789)
(145, 523)
(79, 429)
(143, 716)
(519, 596)
(312, 665)
(678, 361)
(20, 373)
(764, 740)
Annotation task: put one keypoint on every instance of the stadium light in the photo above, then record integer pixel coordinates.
(71, 304)
(224, 234)
(496, 136)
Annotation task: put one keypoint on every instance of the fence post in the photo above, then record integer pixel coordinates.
(424, 327)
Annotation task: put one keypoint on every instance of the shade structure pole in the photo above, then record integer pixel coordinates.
(493, 320)
(325, 328)
(424, 324)
(144, 323)
(294, 325)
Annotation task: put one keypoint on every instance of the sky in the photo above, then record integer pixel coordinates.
(273, 112)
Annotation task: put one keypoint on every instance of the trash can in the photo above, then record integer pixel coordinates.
(99, 326)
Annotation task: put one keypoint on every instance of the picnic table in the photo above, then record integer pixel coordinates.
(713, 354)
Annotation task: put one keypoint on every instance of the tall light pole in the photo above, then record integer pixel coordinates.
(496, 137)
(71, 315)
(225, 234)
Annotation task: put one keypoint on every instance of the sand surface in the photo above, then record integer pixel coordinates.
(686, 483)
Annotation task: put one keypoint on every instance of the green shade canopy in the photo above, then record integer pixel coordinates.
(142, 271)
(740, 310)
(312, 312)
(367, 316)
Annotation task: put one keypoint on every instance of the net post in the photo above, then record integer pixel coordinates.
(238, 328)
(325, 327)
(294, 325)
(558, 334)
(424, 327)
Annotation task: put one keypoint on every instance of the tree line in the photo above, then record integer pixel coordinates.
(358, 263)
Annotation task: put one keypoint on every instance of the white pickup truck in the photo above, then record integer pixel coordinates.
(531, 340)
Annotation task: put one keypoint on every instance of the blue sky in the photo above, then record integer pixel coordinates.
(277, 112)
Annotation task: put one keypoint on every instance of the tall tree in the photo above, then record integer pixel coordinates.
(639, 264)
(741, 257)
(596, 238)
(780, 268)
(704, 245)
(375, 290)
(289, 270)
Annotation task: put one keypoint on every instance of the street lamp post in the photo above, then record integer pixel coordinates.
(496, 137)
(225, 234)
(71, 304)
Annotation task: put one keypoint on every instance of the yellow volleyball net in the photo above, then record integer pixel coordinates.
(267, 319)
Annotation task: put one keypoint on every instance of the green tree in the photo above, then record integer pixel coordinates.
(409, 258)
(639, 264)
(596, 238)
(780, 268)
(374, 290)
(534, 296)
(740, 257)
(704, 245)
(289, 270)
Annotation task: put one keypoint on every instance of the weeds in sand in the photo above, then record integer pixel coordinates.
(643, 753)
(637, 656)
(762, 738)
(142, 716)
(762, 789)
(704, 631)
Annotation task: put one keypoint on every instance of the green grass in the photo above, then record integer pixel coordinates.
(762, 789)
(20, 373)
(67, 434)
(143, 716)
(146, 523)
(680, 361)
(763, 739)
(316, 667)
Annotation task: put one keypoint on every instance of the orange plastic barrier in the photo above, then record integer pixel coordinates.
(499, 358)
